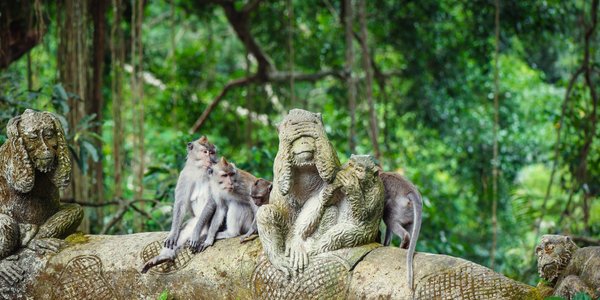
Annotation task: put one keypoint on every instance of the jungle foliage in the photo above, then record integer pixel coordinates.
(157, 67)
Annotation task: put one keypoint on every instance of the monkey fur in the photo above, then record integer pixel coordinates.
(402, 215)
(192, 191)
(231, 202)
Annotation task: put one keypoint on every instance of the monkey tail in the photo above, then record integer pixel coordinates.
(417, 210)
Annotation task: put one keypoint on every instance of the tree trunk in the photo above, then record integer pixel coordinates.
(96, 100)
(108, 267)
(73, 74)
(366, 58)
(118, 57)
(348, 22)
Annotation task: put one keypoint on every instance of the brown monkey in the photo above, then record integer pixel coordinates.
(260, 195)
(192, 191)
(402, 215)
(230, 190)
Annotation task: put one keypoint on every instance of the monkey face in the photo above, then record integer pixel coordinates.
(202, 151)
(226, 175)
(260, 191)
(40, 140)
(303, 150)
(553, 255)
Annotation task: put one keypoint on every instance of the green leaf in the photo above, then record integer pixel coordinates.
(164, 295)
(91, 150)
(582, 296)
(59, 92)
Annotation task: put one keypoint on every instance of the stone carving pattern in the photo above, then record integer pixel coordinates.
(182, 258)
(82, 278)
(469, 283)
(326, 278)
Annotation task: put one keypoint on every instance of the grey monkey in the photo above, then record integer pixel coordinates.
(402, 215)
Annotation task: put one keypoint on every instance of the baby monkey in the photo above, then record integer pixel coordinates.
(260, 195)
(402, 215)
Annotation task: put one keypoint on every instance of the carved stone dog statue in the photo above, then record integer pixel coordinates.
(569, 269)
(34, 164)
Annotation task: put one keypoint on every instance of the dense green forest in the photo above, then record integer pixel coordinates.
(489, 107)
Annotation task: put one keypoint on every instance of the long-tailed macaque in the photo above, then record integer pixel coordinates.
(230, 188)
(192, 192)
(260, 195)
(402, 215)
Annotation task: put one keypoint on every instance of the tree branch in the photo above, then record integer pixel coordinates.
(213, 104)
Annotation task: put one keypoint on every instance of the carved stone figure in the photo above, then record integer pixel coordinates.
(349, 219)
(569, 269)
(302, 217)
(34, 164)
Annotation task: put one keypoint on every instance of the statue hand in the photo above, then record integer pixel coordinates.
(11, 273)
(298, 257)
(43, 246)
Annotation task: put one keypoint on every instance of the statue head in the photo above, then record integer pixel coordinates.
(364, 167)
(303, 143)
(553, 255)
(37, 142)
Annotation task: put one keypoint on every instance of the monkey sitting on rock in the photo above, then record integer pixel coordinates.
(231, 203)
(260, 195)
(192, 191)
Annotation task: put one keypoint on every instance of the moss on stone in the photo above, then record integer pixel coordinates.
(77, 238)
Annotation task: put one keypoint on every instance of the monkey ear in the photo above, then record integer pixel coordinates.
(62, 174)
(203, 140)
(18, 170)
(224, 161)
(270, 187)
(190, 146)
(12, 130)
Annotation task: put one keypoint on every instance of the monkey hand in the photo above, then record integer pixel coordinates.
(43, 246)
(248, 237)
(194, 242)
(203, 246)
(171, 241)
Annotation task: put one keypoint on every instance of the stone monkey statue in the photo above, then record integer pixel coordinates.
(231, 202)
(402, 215)
(260, 195)
(34, 164)
(568, 268)
(192, 192)
(305, 162)
(343, 226)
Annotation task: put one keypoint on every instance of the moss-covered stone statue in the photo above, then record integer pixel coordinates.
(314, 209)
(568, 268)
(34, 164)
